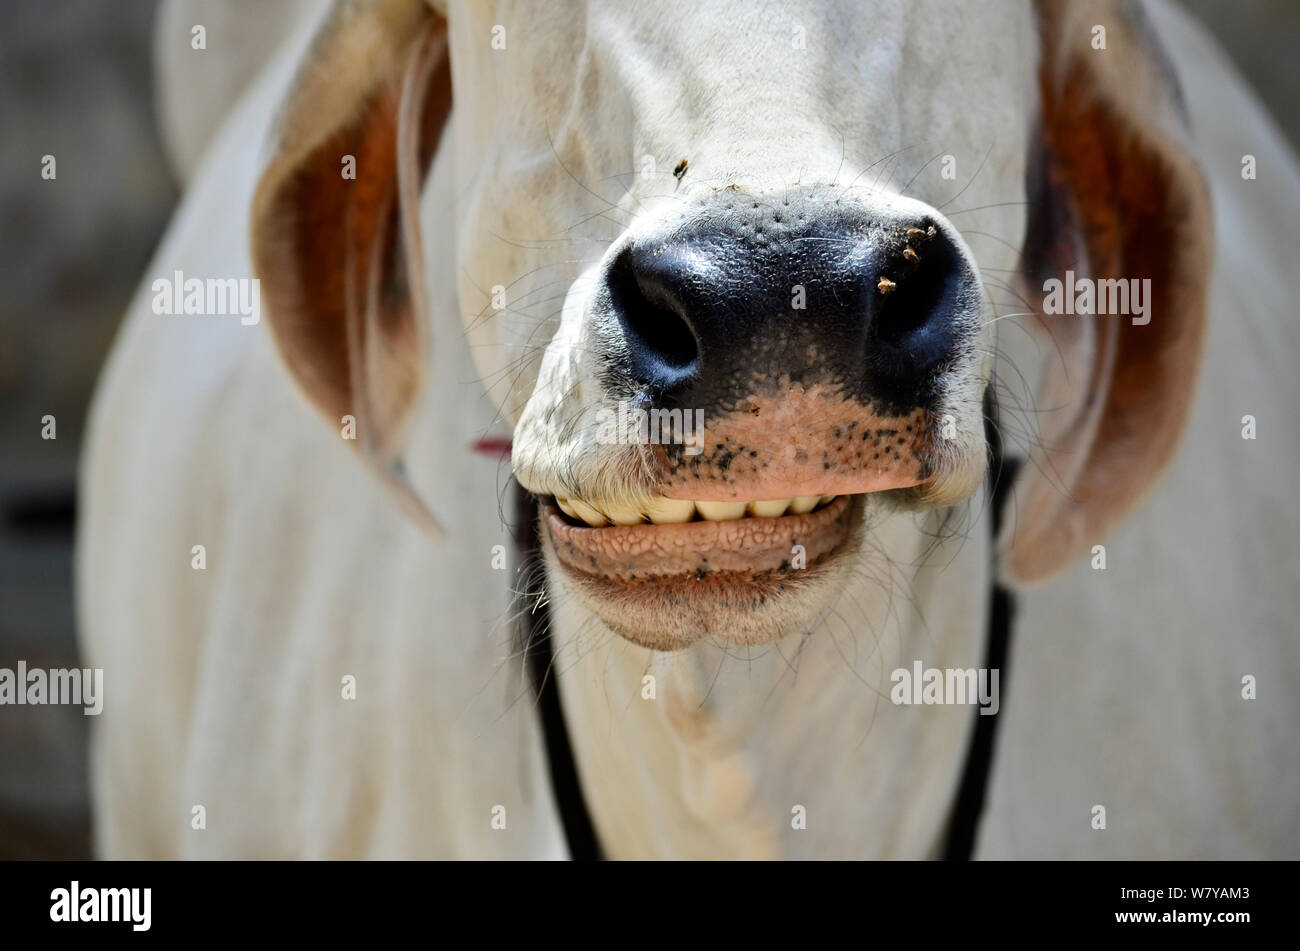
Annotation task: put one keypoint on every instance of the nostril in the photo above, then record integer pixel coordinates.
(661, 345)
(916, 294)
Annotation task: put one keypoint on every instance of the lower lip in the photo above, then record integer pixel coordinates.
(634, 554)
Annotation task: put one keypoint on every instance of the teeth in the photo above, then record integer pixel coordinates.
(770, 509)
(721, 511)
(623, 514)
(588, 514)
(662, 511)
(668, 511)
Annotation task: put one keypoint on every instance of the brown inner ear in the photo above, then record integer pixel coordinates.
(1117, 196)
(334, 229)
(337, 256)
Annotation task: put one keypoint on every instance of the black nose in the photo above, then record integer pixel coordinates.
(750, 295)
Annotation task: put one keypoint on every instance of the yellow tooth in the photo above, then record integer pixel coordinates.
(588, 514)
(667, 511)
(565, 507)
(827, 499)
(770, 509)
(721, 511)
(803, 504)
(621, 514)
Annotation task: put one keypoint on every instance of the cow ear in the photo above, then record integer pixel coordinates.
(1114, 193)
(335, 221)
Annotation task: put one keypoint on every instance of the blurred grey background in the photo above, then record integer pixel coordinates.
(76, 83)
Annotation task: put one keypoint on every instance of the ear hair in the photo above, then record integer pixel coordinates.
(340, 258)
(1115, 193)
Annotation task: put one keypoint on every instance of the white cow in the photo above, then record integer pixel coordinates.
(624, 205)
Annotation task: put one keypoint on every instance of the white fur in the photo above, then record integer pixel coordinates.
(1124, 686)
(223, 686)
(201, 86)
